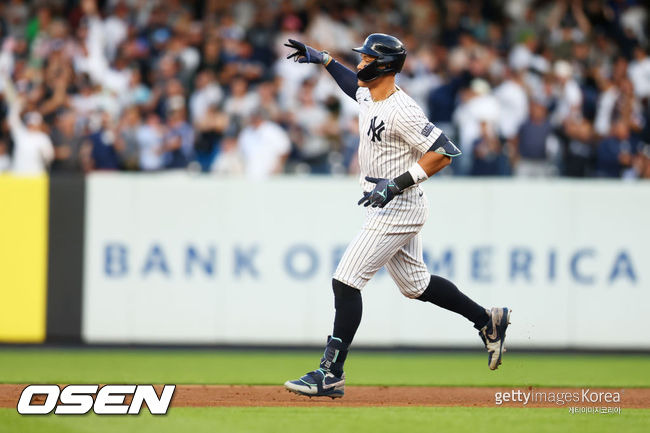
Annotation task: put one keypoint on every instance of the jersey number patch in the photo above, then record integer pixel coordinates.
(375, 129)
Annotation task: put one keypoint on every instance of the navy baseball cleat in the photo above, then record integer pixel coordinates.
(318, 383)
(494, 335)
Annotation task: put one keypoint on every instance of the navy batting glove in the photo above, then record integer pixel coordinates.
(304, 53)
(385, 190)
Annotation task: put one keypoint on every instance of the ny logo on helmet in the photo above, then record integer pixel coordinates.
(375, 129)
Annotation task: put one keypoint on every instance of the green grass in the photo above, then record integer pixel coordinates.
(315, 420)
(40, 365)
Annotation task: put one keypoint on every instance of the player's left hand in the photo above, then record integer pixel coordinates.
(385, 190)
(304, 53)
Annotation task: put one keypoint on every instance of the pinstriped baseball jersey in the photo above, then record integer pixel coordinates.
(394, 135)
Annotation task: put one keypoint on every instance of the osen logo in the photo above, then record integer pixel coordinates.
(80, 399)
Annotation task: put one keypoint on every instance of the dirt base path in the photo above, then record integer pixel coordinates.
(238, 395)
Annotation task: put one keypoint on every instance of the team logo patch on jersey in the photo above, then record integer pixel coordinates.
(375, 129)
(427, 129)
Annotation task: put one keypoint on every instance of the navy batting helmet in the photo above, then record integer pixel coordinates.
(389, 52)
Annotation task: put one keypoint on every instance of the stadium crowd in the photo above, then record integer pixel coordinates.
(524, 87)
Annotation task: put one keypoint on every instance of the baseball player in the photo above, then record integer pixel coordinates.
(399, 148)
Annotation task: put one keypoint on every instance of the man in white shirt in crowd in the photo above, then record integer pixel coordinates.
(479, 105)
(639, 72)
(513, 103)
(310, 120)
(207, 92)
(569, 95)
(33, 149)
(264, 146)
(241, 102)
(150, 143)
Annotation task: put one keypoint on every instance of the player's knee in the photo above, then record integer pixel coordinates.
(343, 291)
(412, 292)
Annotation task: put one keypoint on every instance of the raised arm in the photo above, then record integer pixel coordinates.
(16, 125)
(344, 77)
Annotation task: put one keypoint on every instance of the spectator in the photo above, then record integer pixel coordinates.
(57, 77)
(268, 100)
(530, 156)
(67, 139)
(206, 93)
(586, 61)
(127, 138)
(138, 93)
(580, 152)
(616, 151)
(87, 101)
(229, 162)
(115, 29)
(615, 102)
(489, 159)
(240, 103)
(264, 146)
(418, 77)
(166, 72)
(642, 162)
(478, 106)
(639, 72)
(513, 104)
(310, 130)
(179, 139)
(115, 79)
(187, 56)
(443, 99)
(522, 55)
(568, 93)
(105, 150)
(567, 23)
(211, 59)
(350, 139)
(150, 144)
(33, 149)
(209, 129)
(173, 96)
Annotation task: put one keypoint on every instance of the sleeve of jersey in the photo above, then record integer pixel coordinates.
(362, 92)
(419, 133)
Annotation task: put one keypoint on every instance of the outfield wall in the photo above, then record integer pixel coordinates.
(177, 259)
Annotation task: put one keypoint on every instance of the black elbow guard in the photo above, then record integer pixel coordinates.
(444, 146)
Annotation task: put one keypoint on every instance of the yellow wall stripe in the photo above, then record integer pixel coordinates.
(23, 258)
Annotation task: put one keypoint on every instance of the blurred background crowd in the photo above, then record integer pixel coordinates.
(524, 87)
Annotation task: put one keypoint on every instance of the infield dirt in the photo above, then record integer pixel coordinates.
(366, 396)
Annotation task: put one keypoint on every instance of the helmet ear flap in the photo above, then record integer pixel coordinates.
(375, 69)
(399, 63)
(370, 72)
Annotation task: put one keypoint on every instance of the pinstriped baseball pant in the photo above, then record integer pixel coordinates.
(390, 237)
